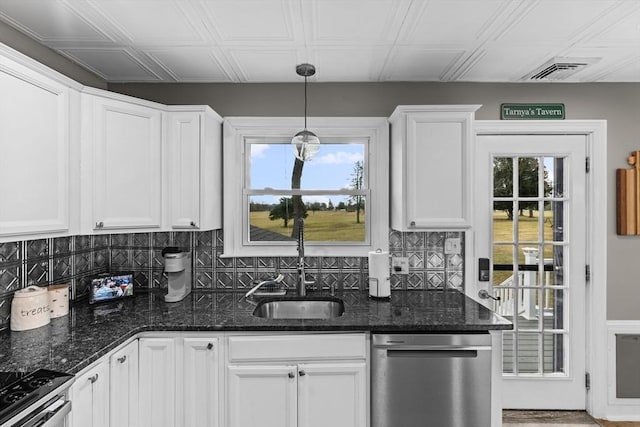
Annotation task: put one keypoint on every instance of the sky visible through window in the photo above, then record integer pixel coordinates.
(331, 169)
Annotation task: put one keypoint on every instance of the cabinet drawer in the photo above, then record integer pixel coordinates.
(298, 347)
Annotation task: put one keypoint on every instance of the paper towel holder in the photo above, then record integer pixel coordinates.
(380, 287)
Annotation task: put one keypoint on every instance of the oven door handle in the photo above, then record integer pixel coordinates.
(49, 418)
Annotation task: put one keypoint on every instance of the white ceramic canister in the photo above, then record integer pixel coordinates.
(58, 300)
(30, 308)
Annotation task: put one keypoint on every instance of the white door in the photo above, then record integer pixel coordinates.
(157, 373)
(342, 389)
(90, 399)
(123, 387)
(530, 223)
(201, 382)
(126, 165)
(184, 169)
(262, 395)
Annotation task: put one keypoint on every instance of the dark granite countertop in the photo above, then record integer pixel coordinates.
(72, 342)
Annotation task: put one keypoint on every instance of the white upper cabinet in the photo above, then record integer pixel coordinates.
(194, 169)
(35, 139)
(431, 166)
(122, 163)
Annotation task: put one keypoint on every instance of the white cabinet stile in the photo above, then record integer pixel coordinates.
(157, 379)
(123, 390)
(90, 397)
(431, 167)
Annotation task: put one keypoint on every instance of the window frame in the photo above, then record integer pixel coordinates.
(373, 131)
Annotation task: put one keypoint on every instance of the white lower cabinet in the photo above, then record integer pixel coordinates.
(200, 382)
(313, 380)
(90, 397)
(262, 395)
(157, 381)
(340, 387)
(123, 387)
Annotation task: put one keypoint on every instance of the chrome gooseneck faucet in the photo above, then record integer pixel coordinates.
(302, 282)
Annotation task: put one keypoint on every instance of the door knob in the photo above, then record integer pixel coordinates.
(482, 293)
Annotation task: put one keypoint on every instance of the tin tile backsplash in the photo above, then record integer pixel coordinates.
(76, 260)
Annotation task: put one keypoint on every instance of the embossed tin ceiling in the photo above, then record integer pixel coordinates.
(347, 40)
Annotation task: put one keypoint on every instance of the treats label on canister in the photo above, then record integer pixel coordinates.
(30, 308)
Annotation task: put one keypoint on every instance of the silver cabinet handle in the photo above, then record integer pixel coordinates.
(93, 378)
(209, 346)
(122, 359)
(302, 373)
(99, 224)
(292, 375)
(192, 223)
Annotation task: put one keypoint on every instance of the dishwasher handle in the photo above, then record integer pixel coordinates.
(433, 353)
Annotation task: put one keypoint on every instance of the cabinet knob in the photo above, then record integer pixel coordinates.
(122, 359)
(412, 224)
(209, 346)
(302, 373)
(99, 224)
(192, 223)
(93, 378)
(292, 375)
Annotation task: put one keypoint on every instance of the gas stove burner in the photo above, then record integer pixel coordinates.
(39, 382)
(20, 390)
(14, 396)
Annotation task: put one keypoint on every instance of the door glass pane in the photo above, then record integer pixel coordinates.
(554, 345)
(528, 225)
(503, 177)
(502, 264)
(528, 352)
(528, 179)
(554, 303)
(556, 221)
(554, 176)
(502, 222)
(508, 351)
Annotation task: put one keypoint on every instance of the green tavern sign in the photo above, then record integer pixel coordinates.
(531, 111)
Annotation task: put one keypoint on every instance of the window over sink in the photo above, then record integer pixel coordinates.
(343, 189)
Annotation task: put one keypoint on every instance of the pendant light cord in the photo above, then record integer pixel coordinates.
(305, 102)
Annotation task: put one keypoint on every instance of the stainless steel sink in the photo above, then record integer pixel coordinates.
(300, 308)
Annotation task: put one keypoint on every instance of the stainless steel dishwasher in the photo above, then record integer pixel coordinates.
(431, 380)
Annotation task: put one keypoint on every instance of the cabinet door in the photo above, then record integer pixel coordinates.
(34, 147)
(437, 170)
(184, 169)
(123, 387)
(333, 394)
(201, 382)
(157, 379)
(264, 396)
(90, 398)
(126, 165)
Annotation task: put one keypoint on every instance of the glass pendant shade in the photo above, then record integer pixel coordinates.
(306, 145)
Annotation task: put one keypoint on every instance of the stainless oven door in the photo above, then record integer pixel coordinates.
(53, 414)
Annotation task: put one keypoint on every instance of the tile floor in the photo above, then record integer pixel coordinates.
(557, 418)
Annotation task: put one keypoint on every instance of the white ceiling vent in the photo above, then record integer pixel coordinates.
(560, 68)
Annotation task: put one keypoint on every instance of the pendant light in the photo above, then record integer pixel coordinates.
(306, 143)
